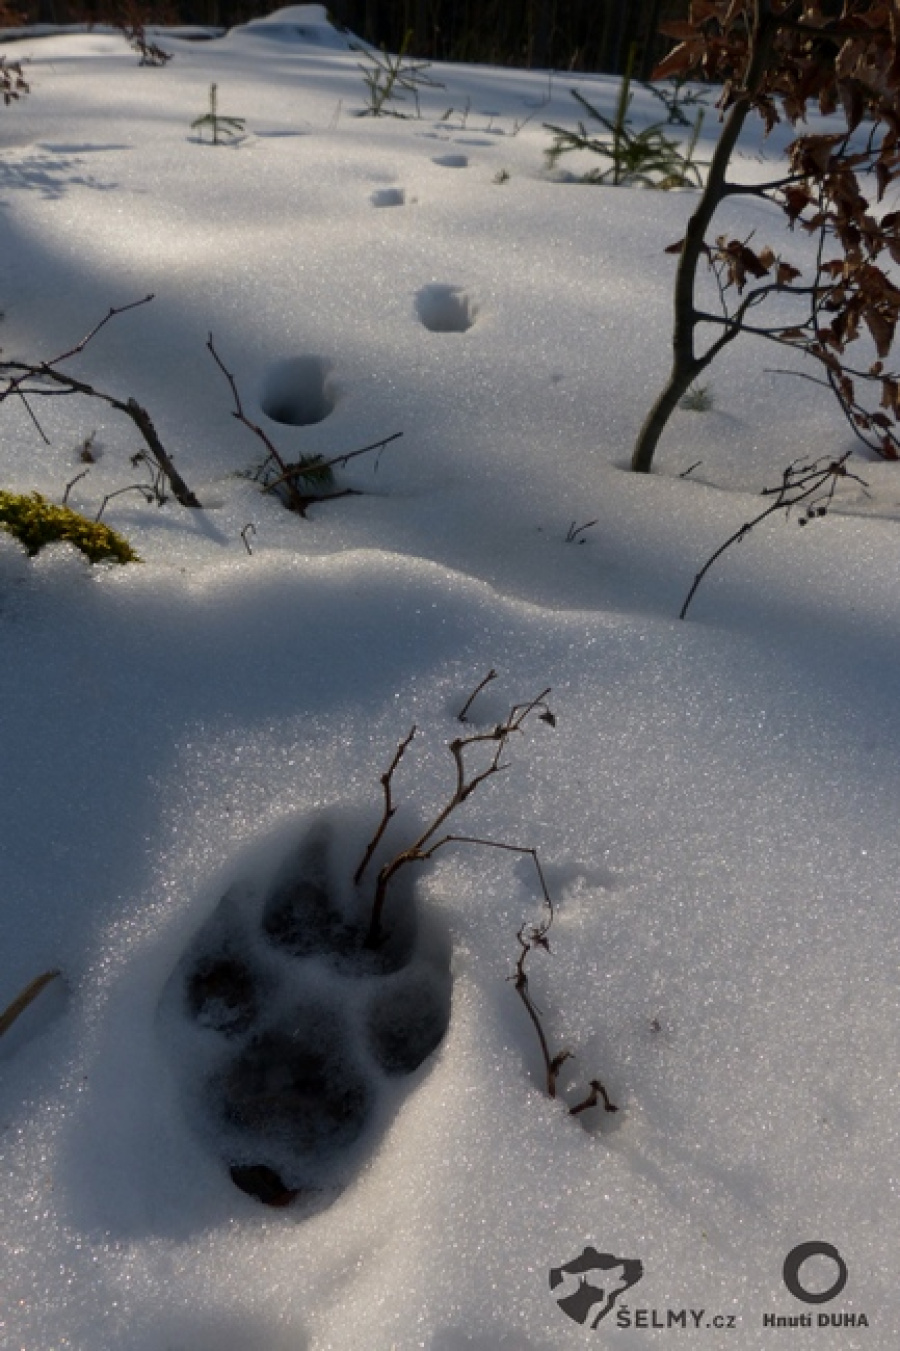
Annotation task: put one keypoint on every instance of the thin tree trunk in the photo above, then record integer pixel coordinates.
(540, 34)
(648, 57)
(686, 364)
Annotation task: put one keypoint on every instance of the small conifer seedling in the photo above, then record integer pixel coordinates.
(218, 124)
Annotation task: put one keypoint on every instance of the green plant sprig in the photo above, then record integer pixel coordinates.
(389, 79)
(219, 125)
(648, 157)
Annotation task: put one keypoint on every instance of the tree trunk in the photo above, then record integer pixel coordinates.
(686, 364)
(540, 34)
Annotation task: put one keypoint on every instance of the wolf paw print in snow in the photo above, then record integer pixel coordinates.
(297, 1034)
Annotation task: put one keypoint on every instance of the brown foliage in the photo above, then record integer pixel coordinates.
(845, 60)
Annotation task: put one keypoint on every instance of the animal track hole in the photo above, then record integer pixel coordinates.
(296, 1030)
(299, 391)
(408, 1019)
(296, 1086)
(445, 309)
(306, 916)
(388, 197)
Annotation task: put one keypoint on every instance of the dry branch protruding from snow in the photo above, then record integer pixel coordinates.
(814, 484)
(43, 379)
(294, 481)
(529, 937)
(18, 1006)
(467, 780)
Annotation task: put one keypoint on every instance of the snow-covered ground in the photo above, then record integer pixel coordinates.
(714, 811)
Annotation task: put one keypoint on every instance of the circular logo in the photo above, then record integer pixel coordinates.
(794, 1261)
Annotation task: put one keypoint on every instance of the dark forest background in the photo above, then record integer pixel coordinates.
(556, 34)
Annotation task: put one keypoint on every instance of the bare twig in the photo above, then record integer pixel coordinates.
(340, 460)
(598, 1093)
(141, 488)
(467, 782)
(290, 476)
(296, 502)
(529, 937)
(575, 532)
(71, 484)
(800, 483)
(491, 675)
(19, 373)
(430, 841)
(22, 1000)
(389, 808)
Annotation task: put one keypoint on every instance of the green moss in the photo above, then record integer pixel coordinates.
(35, 522)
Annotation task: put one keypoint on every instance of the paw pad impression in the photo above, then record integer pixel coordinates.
(294, 1030)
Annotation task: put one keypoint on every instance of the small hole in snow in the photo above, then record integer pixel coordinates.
(298, 391)
(445, 309)
(388, 197)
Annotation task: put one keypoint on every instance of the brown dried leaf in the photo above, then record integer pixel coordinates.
(890, 395)
(785, 274)
(881, 329)
(796, 200)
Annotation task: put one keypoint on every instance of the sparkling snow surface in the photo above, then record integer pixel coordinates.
(715, 810)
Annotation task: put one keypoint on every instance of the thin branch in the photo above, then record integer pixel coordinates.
(466, 783)
(536, 936)
(800, 483)
(497, 844)
(731, 189)
(527, 938)
(145, 492)
(46, 370)
(290, 474)
(389, 808)
(18, 1006)
(296, 501)
(799, 375)
(598, 1093)
(293, 471)
(71, 484)
(491, 675)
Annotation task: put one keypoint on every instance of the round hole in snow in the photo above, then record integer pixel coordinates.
(445, 309)
(298, 391)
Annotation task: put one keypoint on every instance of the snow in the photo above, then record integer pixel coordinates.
(714, 810)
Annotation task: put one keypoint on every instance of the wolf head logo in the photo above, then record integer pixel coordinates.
(588, 1287)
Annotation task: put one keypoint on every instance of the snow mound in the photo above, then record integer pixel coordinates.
(299, 24)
